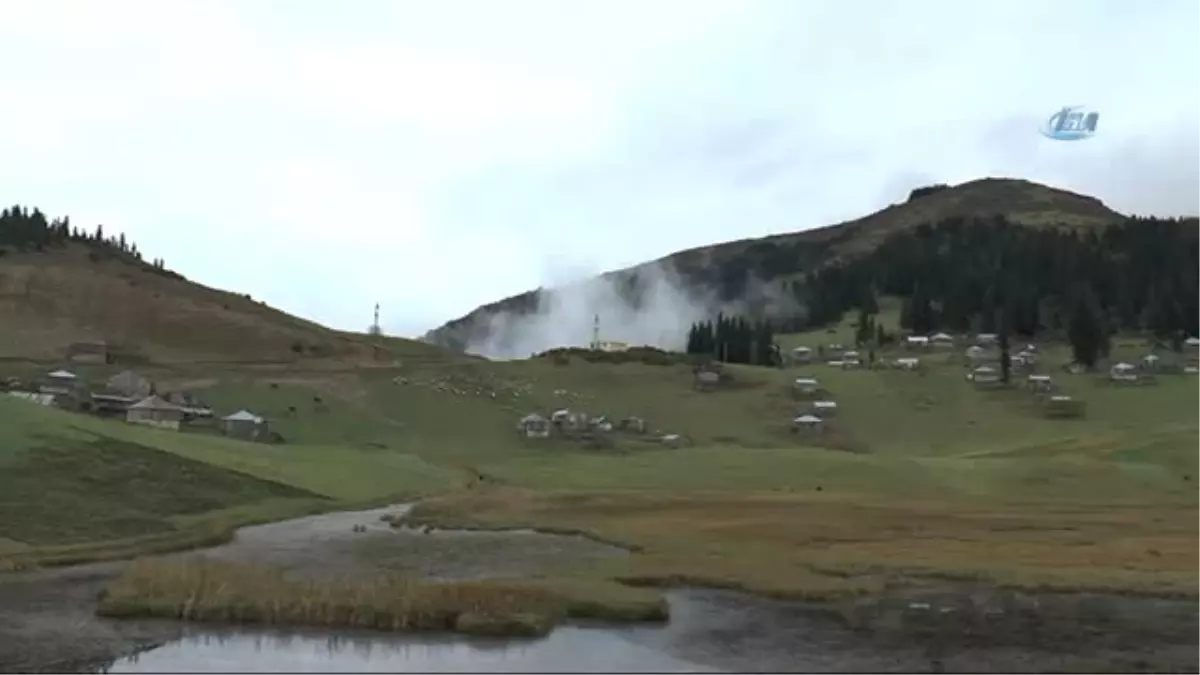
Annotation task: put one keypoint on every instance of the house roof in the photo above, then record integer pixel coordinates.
(1039, 378)
(807, 419)
(801, 349)
(533, 417)
(824, 404)
(62, 375)
(1123, 366)
(154, 402)
(243, 416)
(806, 380)
(941, 336)
(918, 338)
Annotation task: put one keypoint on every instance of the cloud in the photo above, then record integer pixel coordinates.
(438, 156)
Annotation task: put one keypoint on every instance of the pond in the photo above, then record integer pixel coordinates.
(567, 649)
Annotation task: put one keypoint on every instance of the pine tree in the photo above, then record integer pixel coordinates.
(1003, 324)
(1084, 328)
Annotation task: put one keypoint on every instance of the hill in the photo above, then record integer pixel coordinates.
(809, 278)
(60, 286)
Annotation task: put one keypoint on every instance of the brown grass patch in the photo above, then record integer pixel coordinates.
(828, 545)
(205, 590)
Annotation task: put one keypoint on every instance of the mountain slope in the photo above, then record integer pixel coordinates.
(697, 271)
(77, 293)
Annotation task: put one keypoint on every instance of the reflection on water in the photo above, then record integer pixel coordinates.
(567, 649)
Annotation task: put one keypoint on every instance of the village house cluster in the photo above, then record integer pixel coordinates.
(596, 432)
(135, 399)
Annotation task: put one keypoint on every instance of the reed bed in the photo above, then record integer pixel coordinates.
(213, 591)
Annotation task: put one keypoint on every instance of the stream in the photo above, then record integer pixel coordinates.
(709, 630)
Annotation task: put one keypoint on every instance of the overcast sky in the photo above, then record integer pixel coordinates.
(437, 155)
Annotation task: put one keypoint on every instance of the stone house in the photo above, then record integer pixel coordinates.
(805, 386)
(633, 425)
(916, 342)
(824, 409)
(808, 424)
(1123, 373)
(68, 389)
(245, 425)
(156, 412)
(1062, 407)
(941, 340)
(1038, 383)
(111, 405)
(985, 377)
(801, 355)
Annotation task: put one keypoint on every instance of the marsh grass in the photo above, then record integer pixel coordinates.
(821, 546)
(214, 591)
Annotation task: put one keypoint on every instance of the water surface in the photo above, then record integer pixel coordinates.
(567, 649)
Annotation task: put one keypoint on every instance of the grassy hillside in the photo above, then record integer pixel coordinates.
(921, 479)
(52, 298)
(79, 487)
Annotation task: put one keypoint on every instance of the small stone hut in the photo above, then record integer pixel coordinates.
(824, 409)
(534, 425)
(156, 412)
(807, 424)
(1063, 407)
(245, 425)
(1039, 383)
(805, 386)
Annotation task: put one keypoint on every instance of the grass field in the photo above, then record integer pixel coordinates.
(946, 484)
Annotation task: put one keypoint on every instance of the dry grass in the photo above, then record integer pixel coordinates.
(824, 545)
(203, 590)
(61, 296)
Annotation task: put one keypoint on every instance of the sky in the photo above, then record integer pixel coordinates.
(435, 156)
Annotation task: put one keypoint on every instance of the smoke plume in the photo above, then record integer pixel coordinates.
(655, 308)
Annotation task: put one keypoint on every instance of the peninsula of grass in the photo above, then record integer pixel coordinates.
(212, 591)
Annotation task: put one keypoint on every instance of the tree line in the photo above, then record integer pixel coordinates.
(24, 229)
(734, 339)
(988, 275)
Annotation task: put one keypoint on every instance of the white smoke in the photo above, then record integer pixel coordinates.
(566, 315)
(666, 308)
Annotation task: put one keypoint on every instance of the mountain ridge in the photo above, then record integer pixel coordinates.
(1020, 201)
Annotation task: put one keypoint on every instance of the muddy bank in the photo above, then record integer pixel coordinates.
(47, 621)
